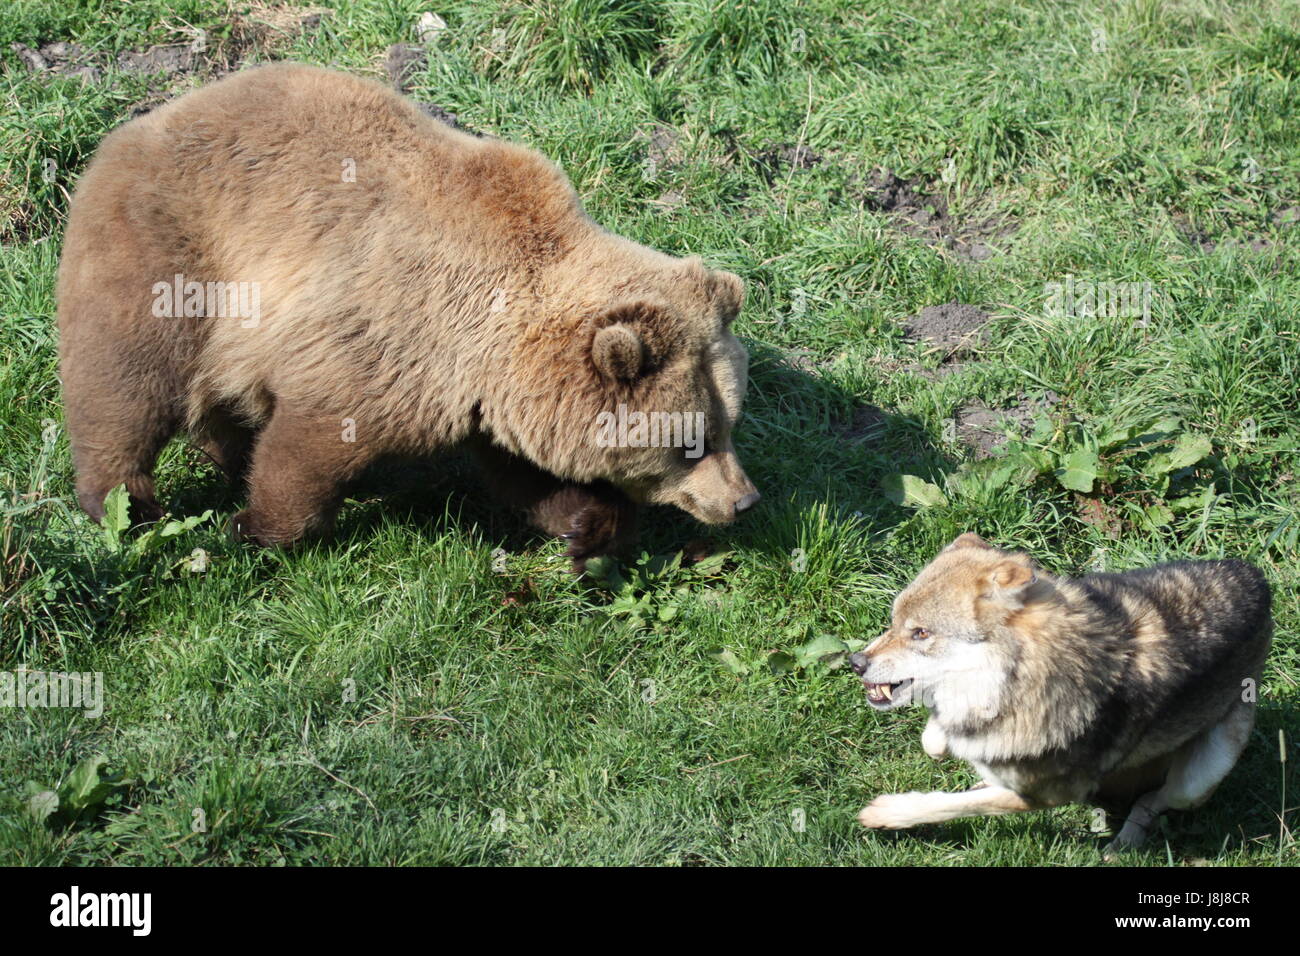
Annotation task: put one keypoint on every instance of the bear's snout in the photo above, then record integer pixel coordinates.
(716, 490)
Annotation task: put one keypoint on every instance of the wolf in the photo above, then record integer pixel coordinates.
(1132, 691)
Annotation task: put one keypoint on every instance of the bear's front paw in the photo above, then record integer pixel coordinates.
(246, 527)
(243, 528)
(145, 511)
(892, 811)
(594, 531)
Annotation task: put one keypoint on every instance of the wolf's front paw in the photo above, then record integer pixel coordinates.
(934, 741)
(892, 811)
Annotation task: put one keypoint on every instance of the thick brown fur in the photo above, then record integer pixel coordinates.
(451, 291)
(1131, 690)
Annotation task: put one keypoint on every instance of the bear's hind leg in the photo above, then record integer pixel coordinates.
(299, 464)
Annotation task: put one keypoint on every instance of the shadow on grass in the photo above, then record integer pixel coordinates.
(1247, 808)
(814, 450)
(805, 442)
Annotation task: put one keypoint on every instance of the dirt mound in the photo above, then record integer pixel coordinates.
(402, 61)
(983, 429)
(954, 329)
(60, 58)
(885, 192)
(867, 423)
(661, 146)
(168, 58)
(773, 161)
(922, 212)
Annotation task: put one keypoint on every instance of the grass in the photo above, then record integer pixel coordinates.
(402, 694)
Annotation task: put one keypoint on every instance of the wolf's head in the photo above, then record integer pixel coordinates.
(950, 644)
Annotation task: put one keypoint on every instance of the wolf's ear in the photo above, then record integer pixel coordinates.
(1012, 574)
(617, 352)
(968, 540)
(1010, 580)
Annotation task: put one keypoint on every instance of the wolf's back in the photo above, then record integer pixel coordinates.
(1198, 635)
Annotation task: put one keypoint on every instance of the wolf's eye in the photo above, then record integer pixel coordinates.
(920, 634)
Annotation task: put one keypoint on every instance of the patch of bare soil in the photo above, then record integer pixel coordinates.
(446, 116)
(946, 370)
(401, 63)
(253, 32)
(260, 32)
(1284, 217)
(660, 147)
(169, 58)
(802, 360)
(61, 58)
(983, 429)
(922, 212)
(1100, 515)
(771, 163)
(867, 423)
(670, 200)
(953, 329)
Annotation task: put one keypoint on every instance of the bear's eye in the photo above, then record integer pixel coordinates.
(920, 634)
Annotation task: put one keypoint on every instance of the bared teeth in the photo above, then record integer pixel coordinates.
(880, 692)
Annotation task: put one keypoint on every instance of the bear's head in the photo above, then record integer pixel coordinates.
(635, 379)
(672, 377)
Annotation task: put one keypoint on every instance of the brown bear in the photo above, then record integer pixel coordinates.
(304, 272)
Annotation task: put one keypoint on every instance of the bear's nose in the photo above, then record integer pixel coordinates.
(747, 502)
(858, 662)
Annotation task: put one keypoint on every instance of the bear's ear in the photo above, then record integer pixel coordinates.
(617, 352)
(729, 293)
